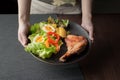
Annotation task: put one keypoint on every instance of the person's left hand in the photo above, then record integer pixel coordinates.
(88, 26)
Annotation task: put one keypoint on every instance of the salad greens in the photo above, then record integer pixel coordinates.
(41, 44)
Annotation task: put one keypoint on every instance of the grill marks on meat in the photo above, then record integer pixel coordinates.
(75, 44)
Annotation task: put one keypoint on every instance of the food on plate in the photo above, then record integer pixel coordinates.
(48, 28)
(45, 39)
(75, 45)
(62, 32)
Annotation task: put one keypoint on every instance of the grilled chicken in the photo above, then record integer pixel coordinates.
(75, 44)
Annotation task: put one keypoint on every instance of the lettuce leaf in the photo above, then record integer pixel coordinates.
(62, 22)
(34, 28)
(40, 50)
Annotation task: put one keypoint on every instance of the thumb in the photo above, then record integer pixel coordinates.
(24, 40)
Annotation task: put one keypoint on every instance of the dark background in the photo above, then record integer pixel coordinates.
(106, 6)
(99, 6)
(8, 7)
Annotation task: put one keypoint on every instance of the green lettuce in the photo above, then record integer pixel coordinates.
(34, 28)
(40, 50)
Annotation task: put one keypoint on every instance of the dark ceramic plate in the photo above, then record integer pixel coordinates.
(76, 30)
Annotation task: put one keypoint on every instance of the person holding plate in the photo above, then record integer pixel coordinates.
(27, 7)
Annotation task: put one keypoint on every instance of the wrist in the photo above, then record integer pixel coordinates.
(24, 20)
(24, 23)
(86, 17)
(87, 20)
(23, 17)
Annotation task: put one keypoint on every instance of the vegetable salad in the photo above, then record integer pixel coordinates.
(45, 37)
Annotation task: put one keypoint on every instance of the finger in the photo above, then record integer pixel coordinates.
(23, 39)
(85, 29)
(91, 36)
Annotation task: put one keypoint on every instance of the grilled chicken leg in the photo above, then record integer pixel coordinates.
(75, 44)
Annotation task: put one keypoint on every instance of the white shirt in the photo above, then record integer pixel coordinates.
(55, 7)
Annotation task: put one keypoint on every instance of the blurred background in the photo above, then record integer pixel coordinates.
(99, 6)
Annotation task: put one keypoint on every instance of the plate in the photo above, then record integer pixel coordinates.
(75, 29)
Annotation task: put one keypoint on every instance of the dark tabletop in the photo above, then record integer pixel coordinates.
(16, 64)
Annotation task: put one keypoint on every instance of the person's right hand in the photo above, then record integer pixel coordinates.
(88, 26)
(23, 33)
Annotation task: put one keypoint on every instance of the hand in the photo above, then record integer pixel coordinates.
(88, 26)
(23, 33)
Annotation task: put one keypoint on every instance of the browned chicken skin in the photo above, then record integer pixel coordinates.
(75, 44)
